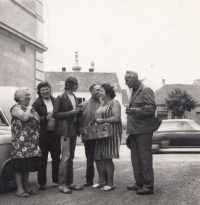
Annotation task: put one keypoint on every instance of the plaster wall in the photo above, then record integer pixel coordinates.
(17, 68)
(17, 18)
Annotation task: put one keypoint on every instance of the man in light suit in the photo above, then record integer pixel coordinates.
(89, 108)
(140, 127)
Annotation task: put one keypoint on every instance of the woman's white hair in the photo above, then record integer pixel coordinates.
(19, 92)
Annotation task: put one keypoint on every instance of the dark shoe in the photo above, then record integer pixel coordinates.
(134, 187)
(145, 191)
(88, 183)
(42, 188)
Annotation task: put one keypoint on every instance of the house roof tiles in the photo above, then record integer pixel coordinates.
(86, 79)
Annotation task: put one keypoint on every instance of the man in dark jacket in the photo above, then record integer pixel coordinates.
(66, 113)
(48, 141)
(140, 127)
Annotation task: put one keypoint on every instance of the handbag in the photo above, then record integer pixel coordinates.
(96, 131)
(157, 124)
(128, 143)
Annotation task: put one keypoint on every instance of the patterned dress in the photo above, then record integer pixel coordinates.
(25, 142)
(108, 147)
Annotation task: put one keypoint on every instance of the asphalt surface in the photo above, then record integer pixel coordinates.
(177, 182)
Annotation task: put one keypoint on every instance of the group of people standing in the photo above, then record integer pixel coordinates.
(52, 125)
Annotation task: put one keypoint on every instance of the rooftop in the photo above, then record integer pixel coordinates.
(86, 79)
(161, 94)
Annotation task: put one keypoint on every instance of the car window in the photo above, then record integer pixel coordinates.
(171, 126)
(186, 126)
(194, 125)
(3, 121)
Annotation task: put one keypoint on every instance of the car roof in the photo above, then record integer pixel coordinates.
(178, 120)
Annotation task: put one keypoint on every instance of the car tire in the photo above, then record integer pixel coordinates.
(7, 179)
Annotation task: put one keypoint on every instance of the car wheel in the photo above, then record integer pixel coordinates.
(155, 148)
(7, 179)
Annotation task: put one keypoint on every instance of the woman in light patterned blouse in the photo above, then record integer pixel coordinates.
(25, 125)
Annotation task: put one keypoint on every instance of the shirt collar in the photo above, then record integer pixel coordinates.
(136, 88)
(93, 100)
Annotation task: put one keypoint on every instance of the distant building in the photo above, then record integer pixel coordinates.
(161, 94)
(86, 79)
(21, 43)
(196, 82)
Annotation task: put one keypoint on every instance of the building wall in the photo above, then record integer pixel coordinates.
(17, 67)
(21, 43)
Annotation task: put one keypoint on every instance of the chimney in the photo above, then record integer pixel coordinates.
(92, 67)
(163, 82)
(63, 69)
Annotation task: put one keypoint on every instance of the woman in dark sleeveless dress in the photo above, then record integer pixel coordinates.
(108, 148)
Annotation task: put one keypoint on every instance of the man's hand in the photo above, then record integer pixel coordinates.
(75, 111)
(131, 111)
(49, 115)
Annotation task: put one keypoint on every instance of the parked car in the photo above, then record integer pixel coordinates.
(7, 178)
(176, 133)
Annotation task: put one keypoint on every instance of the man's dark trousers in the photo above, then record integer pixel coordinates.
(49, 143)
(89, 153)
(142, 160)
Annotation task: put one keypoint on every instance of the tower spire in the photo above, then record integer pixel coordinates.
(76, 66)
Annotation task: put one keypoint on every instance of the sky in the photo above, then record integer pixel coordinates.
(159, 39)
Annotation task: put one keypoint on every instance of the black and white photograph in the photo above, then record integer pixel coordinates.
(99, 102)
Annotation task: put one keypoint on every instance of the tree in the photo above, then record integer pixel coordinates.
(179, 101)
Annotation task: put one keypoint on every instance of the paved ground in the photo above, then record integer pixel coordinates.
(177, 182)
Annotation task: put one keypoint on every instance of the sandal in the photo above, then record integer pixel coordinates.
(23, 194)
(98, 185)
(65, 190)
(107, 188)
(75, 187)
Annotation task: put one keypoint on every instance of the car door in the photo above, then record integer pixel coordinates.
(174, 132)
(190, 136)
(5, 140)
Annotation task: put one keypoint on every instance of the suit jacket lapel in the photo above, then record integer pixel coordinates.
(135, 94)
(75, 100)
(65, 97)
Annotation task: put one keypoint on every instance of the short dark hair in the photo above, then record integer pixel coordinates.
(131, 73)
(41, 85)
(92, 86)
(70, 82)
(109, 90)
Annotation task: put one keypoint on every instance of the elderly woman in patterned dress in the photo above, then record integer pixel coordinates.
(25, 125)
(108, 148)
